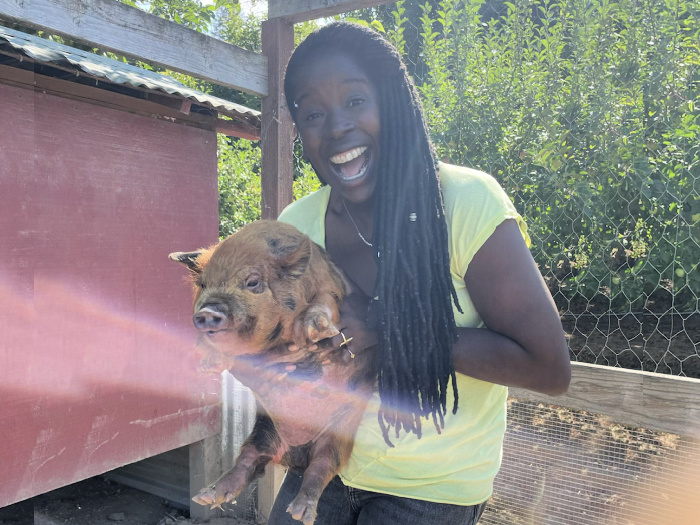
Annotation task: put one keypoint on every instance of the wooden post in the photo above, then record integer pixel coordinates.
(277, 130)
(268, 486)
(277, 135)
(205, 469)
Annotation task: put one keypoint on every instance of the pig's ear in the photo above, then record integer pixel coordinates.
(292, 254)
(189, 259)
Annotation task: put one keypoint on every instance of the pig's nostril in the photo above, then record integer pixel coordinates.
(208, 320)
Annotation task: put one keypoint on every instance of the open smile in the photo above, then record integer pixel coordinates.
(352, 164)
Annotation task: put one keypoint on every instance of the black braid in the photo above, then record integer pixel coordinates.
(414, 290)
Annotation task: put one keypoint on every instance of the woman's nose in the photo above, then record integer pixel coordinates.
(339, 123)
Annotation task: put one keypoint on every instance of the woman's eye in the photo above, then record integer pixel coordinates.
(355, 101)
(313, 115)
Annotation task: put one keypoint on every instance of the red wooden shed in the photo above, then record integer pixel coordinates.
(104, 169)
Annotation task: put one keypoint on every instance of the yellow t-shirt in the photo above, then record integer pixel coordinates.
(457, 466)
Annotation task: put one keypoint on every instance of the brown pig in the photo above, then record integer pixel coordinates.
(265, 287)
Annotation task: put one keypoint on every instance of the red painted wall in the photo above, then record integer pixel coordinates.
(97, 368)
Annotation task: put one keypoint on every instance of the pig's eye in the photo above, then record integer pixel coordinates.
(254, 284)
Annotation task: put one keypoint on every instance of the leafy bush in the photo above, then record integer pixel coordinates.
(239, 183)
(588, 112)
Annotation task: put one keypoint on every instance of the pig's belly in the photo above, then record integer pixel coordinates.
(303, 409)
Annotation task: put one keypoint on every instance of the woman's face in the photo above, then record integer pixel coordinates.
(337, 117)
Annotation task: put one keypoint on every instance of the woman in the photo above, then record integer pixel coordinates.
(458, 305)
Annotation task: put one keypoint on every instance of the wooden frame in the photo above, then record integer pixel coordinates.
(117, 27)
(277, 127)
(647, 400)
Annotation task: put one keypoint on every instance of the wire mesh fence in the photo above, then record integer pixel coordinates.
(588, 113)
(563, 467)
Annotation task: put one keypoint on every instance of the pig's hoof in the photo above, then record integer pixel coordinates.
(303, 509)
(318, 324)
(320, 328)
(210, 496)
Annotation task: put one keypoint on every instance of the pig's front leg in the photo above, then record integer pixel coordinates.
(330, 451)
(256, 452)
(319, 320)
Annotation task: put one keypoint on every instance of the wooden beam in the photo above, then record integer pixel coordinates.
(277, 128)
(85, 93)
(205, 468)
(125, 30)
(277, 136)
(303, 10)
(639, 399)
(241, 130)
(268, 487)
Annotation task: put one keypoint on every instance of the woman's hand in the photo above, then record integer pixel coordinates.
(354, 337)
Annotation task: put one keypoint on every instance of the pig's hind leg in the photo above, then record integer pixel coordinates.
(329, 452)
(256, 452)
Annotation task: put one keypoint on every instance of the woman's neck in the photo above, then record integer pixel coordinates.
(339, 206)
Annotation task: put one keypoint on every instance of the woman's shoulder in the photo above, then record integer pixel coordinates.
(307, 207)
(462, 186)
(457, 178)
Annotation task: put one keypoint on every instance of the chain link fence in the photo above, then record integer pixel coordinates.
(588, 114)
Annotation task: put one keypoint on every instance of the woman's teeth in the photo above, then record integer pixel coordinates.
(342, 158)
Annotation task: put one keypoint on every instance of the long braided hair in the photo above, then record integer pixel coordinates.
(412, 305)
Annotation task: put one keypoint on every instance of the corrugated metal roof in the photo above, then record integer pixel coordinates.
(47, 51)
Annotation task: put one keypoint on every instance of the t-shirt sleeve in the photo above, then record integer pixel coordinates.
(475, 205)
(307, 214)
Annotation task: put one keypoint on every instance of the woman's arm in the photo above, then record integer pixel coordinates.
(523, 344)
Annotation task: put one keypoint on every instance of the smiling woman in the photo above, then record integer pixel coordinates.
(444, 289)
(337, 114)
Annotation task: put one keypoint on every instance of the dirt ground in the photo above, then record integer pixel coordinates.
(96, 501)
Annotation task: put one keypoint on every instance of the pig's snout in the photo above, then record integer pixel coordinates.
(209, 320)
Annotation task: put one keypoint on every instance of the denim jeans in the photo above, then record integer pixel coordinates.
(341, 505)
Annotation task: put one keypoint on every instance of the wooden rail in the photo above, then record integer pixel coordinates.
(125, 30)
(639, 399)
(303, 10)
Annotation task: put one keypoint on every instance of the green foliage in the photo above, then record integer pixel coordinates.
(190, 13)
(588, 113)
(239, 184)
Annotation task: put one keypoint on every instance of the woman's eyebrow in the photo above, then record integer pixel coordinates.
(356, 80)
(350, 80)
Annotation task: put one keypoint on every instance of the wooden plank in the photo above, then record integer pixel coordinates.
(117, 27)
(166, 475)
(277, 127)
(109, 99)
(268, 487)
(303, 10)
(237, 129)
(640, 399)
(205, 469)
